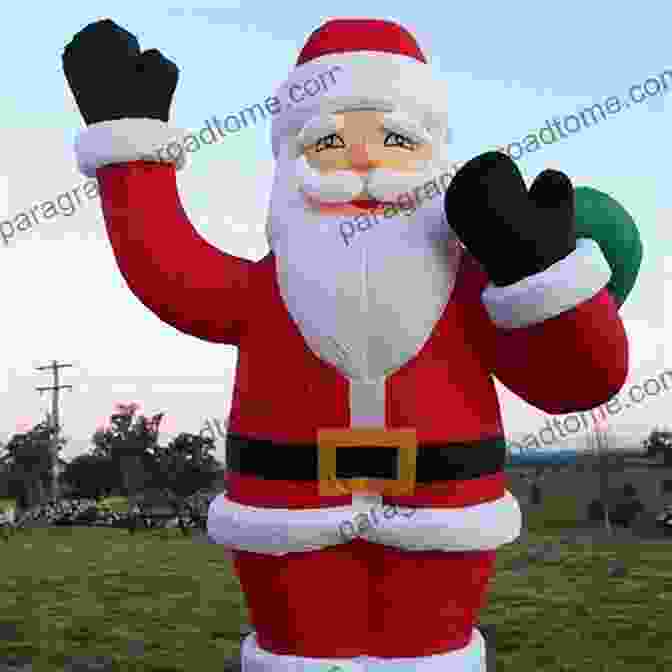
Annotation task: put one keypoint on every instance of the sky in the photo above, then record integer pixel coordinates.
(509, 68)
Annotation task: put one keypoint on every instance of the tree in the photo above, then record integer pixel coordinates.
(659, 442)
(31, 464)
(628, 507)
(90, 475)
(185, 465)
(126, 441)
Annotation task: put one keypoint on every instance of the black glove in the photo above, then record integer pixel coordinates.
(513, 233)
(111, 79)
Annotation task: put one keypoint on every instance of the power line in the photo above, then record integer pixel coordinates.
(54, 418)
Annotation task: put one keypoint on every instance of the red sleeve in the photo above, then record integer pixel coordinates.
(573, 362)
(184, 280)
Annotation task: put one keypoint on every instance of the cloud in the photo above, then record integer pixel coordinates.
(34, 182)
(667, 306)
(66, 299)
(646, 347)
(227, 205)
(4, 197)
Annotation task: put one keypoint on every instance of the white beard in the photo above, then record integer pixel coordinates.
(368, 306)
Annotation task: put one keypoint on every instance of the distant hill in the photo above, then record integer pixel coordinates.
(618, 441)
(542, 458)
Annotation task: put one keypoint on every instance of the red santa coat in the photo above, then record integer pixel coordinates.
(555, 339)
(573, 361)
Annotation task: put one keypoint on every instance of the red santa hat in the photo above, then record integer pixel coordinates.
(360, 63)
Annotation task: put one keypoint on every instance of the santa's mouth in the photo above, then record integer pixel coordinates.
(359, 203)
(368, 203)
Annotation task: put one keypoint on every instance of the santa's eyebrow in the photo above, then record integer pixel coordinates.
(317, 128)
(398, 123)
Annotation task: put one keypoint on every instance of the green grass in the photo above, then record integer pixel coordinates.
(6, 503)
(88, 591)
(568, 615)
(555, 513)
(119, 504)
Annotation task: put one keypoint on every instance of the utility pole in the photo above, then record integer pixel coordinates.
(54, 418)
(604, 457)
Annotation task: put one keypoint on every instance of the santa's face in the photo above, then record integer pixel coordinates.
(365, 305)
(360, 160)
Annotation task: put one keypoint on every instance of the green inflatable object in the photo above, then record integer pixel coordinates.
(606, 221)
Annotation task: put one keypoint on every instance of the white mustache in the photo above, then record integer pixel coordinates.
(343, 186)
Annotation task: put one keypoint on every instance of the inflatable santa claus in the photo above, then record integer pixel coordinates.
(377, 357)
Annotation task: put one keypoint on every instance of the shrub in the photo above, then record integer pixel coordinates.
(595, 511)
(625, 512)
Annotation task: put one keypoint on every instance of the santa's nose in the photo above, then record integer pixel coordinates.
(360, 159)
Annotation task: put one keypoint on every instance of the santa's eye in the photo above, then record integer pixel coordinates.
(398, 140)
(329, 142)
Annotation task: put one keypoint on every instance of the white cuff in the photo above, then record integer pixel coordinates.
(124, 140)
(480, 527)
(561, 287)
(471, 658)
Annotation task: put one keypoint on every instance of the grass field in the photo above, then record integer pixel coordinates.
(91, 591)
(6, 503)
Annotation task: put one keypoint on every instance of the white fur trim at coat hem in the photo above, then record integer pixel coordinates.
(561, 287)
(471, 658)
(269, 531)
(124, 140)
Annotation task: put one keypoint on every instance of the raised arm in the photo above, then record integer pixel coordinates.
(556, 336)
(124, 96)
(573, 360)
(559, 349)
(177, 274)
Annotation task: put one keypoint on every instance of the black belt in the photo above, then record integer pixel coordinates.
(299, 462)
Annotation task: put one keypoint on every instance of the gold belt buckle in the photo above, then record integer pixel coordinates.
(328, 440)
